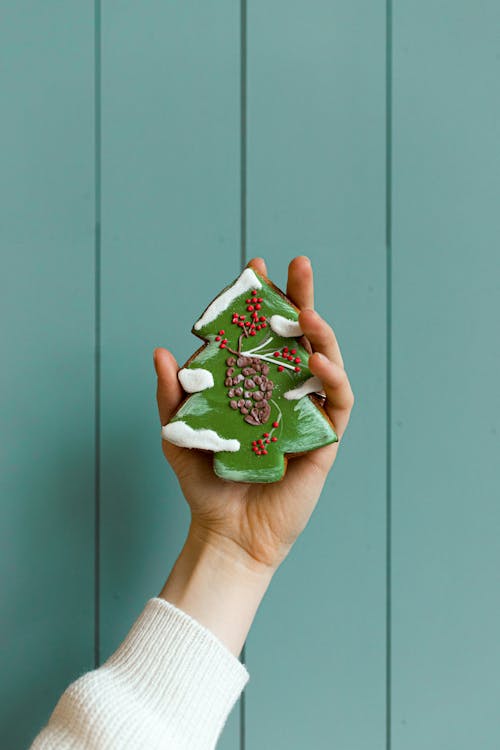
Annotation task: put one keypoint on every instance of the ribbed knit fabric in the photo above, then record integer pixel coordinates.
(171, 684)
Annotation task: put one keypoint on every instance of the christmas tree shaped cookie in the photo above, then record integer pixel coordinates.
(250, 391)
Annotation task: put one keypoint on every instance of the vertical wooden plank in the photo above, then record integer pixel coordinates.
(170, 224)
(46, 393)
(316, 175)
(446, 558)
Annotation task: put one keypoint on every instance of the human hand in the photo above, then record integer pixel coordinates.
(260, 522)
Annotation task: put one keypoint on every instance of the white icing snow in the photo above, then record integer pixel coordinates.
(247, 280)
(311, 385)
(284, 326)
(183, 435)
(196, 379)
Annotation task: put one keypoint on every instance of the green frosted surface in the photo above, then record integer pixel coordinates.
(302, 427)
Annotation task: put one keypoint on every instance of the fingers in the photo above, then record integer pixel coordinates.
(169, 391)
(300, 286)
(321, 335)
(327, 364)
(339, 395)
(259, 265)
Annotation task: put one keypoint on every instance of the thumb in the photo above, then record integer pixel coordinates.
(168, 391)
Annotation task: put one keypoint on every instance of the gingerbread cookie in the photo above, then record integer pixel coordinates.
(250, 393)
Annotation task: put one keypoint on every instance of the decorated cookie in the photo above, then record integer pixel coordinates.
(251, 395)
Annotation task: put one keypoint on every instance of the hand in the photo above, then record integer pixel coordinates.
(259, 523)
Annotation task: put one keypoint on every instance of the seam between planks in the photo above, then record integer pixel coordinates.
(97, 326)
(388, 238)
(243, 133)
(243, 241)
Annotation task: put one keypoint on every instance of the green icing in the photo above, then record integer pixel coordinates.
(247, 471)
(207, 353)
(196, 406)
(306, 432)
(302, 427)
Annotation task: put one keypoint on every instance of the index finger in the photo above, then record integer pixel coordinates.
(339, 395)
(168, 391)
(300, 287)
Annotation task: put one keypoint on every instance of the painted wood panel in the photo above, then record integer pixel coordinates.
(446, 413)
(170, 203)
(170, 238)
(316, 175)
(47, 373)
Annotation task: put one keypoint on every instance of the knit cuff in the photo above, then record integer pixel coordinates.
(187, 677)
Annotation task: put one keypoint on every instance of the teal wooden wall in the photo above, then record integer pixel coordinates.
(141, 140)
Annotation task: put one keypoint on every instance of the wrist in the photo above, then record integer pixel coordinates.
(218, 584)
(230, 553)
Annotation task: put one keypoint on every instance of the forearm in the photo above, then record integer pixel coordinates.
(174, 679)
(218, 584)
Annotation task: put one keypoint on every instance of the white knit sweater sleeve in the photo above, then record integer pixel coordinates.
(171, 684)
